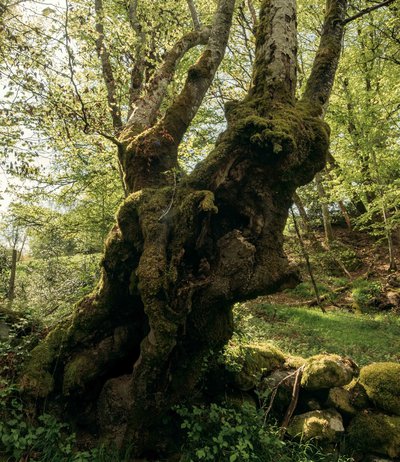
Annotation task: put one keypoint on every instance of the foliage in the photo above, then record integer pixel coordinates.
(364, 292)
(220, 433)
(49, 287)
(43, 440)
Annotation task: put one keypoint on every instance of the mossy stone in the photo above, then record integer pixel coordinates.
(358, 396)
(327, 371)
(382, 384)
(259, 358)
(323, 425)
(375, 432)
(340, 399)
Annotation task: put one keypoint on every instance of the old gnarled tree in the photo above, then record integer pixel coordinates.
(181, 252)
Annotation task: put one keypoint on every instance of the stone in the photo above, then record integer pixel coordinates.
(382, 385)
(377, 433)
(259, 358)
(323, 425)
(327, 371)
(340, 399)
(358, 396)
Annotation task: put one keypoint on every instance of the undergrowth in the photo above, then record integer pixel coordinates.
(222, 433)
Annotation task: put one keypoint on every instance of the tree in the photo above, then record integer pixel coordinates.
(184, 249)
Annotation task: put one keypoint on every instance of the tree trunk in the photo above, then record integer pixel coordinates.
(13, 272)
(182, 252)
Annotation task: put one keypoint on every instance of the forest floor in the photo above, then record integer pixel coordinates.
(362, 308)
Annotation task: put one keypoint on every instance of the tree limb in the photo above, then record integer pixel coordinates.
(107, 71)
(367, 10)
(319, 84)
(194, 14)
(200, 76)
(146, 108)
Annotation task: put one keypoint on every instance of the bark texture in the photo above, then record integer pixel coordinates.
(182, 252)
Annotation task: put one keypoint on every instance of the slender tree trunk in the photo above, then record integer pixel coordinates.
(181, 253)
(13, 272)
(326, 217)
(304, 217)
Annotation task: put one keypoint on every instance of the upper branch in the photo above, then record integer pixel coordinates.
(195, 16)
(146, 108)
(108, 75)
(274, 72)
(367, 10)
(319, 84)
(200, 76)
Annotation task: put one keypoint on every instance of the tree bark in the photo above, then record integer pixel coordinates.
(182, 252)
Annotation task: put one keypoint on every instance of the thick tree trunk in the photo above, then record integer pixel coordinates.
(181, 253)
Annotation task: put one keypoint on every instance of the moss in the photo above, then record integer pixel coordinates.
(382, 384)
(323, 425)
(327, 371)
(378, 433)
(358, 396)
(78, 372)
(258, 358)
(340, 399)
(36, 379)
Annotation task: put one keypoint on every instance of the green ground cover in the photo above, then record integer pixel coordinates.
(305, 332)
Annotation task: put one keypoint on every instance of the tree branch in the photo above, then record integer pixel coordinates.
(194, 14)
(200, 76)
(367, 10)
(107, 71)
(319, 84)
(146, 108)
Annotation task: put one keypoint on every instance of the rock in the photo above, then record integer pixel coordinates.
(382, 385)
(340, 399)
(374, 432)
(259, 358)
(113, 409)
(358, 396)
(313, 405)
(327, 371)
(326, 425)
(239, 399)
(285, 379)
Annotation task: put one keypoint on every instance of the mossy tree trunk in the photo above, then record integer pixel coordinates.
(182, 252)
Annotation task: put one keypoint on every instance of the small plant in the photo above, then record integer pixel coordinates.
(364, 292)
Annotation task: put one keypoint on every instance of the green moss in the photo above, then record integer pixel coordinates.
(258, 358)
(36, 379)
(323, 425)
(77, 372)
(326, 371)
(340, 399)
(378, 433)
(382, 384)
(358, 395)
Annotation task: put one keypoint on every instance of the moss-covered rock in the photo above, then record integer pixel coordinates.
(259, 358)
(377, 433)
(323, 425)
(382, 384)
(358, 396)
(327, 371)
(340, 399)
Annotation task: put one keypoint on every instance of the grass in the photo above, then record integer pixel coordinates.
(307, 331)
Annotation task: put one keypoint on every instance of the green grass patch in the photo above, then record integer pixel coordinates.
(307, 331)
